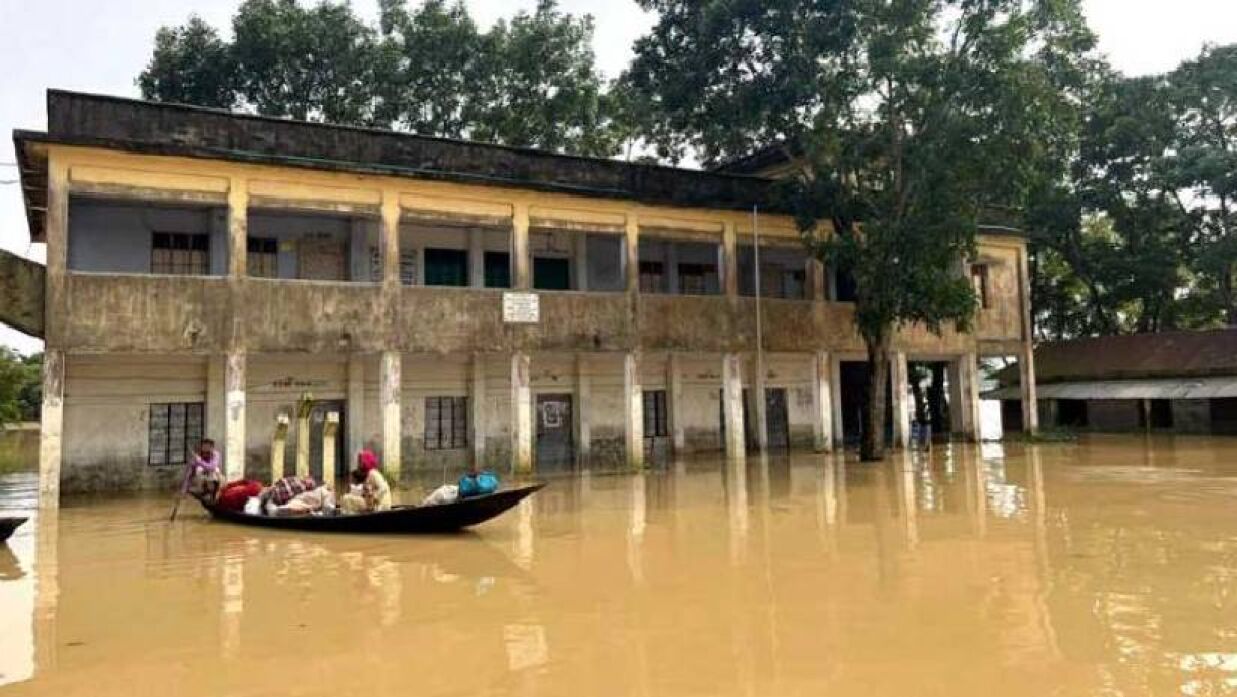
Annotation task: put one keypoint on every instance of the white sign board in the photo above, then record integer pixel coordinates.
(521, 308)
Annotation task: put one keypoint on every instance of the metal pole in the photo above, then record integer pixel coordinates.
(760, 414)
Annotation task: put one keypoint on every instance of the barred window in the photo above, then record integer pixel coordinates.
(181, 254)
(656, 418)
(698, 279)
(652, 277)
(446, 423)
(174, 429)
(262, 258)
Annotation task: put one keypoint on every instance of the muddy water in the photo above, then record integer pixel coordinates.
(1102, 568)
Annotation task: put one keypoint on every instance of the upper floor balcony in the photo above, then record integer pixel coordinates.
(201, 276)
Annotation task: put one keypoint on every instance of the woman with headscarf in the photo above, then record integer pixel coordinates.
(374, 494)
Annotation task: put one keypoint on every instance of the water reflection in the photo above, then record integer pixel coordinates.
(967, 570)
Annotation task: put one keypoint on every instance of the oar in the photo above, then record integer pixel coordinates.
(180, 490)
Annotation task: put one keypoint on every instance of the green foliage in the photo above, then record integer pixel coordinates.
(528, 81)
(908, 118)
(1139, 237)
(21, 386)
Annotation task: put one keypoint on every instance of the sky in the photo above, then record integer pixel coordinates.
(102, 46)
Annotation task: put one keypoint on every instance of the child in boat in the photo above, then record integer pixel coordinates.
(205, 474)
(375, 492)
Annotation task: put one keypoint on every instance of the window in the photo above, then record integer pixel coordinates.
(407, 266)
(698, 279)
(497, 270)
(446, 423)
(446, 267)
(550, 273)
(652, 274)
(180, 254)
(979, 281)
(174, 430)
(656, 418)
(262, 256)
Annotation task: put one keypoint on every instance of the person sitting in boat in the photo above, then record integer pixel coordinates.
(205, 473)
(375, 492)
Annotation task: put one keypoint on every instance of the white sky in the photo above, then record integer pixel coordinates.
(102, 46)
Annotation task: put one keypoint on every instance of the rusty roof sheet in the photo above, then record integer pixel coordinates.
(1135, 356)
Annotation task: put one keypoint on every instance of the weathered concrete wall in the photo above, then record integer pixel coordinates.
(22, 289)
(1003, 317)
(107, 418)
(145, 314)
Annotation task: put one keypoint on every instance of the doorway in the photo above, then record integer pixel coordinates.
(854, 389)
(778, 417)
(555, 449)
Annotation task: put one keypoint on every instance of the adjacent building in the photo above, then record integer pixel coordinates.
(1183, 382)
(451, 301)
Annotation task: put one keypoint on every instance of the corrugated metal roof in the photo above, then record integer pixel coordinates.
(1186, 388)
(1168, 355)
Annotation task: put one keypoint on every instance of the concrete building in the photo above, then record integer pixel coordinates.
(208, 271)
(1182, 382)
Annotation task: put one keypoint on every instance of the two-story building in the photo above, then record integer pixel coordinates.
(208, 271)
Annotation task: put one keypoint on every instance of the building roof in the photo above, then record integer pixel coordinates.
(1147, 388)
(75, 118)
(1165, 355)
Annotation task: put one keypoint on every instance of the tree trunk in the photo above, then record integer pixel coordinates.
(1226, 293)
(873, 445)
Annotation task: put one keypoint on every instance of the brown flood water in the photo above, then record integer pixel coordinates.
(1102, 568)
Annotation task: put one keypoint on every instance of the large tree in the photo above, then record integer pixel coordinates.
(425, 68)
(908, 118)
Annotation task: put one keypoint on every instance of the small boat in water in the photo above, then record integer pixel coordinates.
(8, 525)
(443, 517)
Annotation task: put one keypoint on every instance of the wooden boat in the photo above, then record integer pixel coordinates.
(445, 517)
(8, 525)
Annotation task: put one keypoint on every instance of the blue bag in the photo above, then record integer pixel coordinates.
(476, 485)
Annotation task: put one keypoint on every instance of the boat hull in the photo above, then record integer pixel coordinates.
(8, 525)
(447, 517)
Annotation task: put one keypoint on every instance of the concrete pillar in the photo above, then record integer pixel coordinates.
(1030, 407)
(633, 411)
(521, 276)
(330, 432)
(1026, 361)
(521, 415)
(899, 388)
(730, 261)
(51, 429)
(579, 261)
(964, 396)
(476, 406)
(234, 419)
(389, 382)
(278, 446)
(631, 252)
(238, 227)
(673, 286)
(389, 238)
(816, 280)
(580, 414)
(674, 402)
(760, 401)
(354, 414)
(732, 404)
(822, 402)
